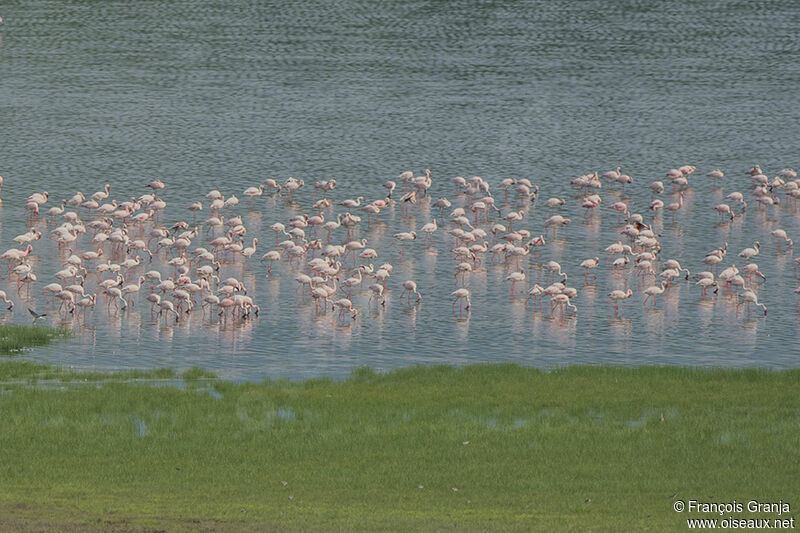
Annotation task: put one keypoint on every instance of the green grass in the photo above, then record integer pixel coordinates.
(116, 455)
(25, 371)
(14, 338)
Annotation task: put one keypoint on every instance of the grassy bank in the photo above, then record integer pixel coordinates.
(486, 447)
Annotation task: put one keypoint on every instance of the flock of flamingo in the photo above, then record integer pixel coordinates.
(107, 246)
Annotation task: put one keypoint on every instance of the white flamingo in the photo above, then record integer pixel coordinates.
(461, 295)
(652, 292)
(410, 287)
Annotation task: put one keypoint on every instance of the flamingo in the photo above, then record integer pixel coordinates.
(655, 291)
(114, 294)
(616, 296)
(669, 274)
(728, 274)
(131, 289)
(56, 211)
(274, 186)
(352, 282)
(355, 246)
(442, 203)
(657, 187)
(536, 292)
(588, 264)
(613, 175)
(675, 265)
(723, 209)
(563, 301)
(712, 260)
(252, 192)
(780, 235)
(404, 237)
(513, 216)
(751, 269)
(749, 297)
(249, 251)
(555, 222)
(271, 256)
(749, 253)
(705, 283)
(345, 305)
(3, 295)
(555, 270)
(428, 229)
(86, 302)
(303, 280)
(738, 197)
(168, 307)
(461, 295)
(675, 206)
(514, 278)
(154, 300)
(377, 292)
(408, 198)
(410, 287)
(621, 208)
(52, 289)
(349, 203)
(102, 195)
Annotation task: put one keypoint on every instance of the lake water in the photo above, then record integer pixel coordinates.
(224, 94)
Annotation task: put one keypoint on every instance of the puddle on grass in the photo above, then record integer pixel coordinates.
(650, 415)
(738, 438)
(492, 422)
(256, 418)
(549, 412)
(140, 427)
(52, 422)
(282, 413)
(65, 386)
(213, 393)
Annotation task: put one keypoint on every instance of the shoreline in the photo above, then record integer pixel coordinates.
(14, 371)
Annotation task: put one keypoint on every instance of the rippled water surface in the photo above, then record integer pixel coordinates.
(224, 94)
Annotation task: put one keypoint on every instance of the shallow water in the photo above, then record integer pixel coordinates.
(227, 94)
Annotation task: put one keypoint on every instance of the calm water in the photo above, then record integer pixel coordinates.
(229, 93)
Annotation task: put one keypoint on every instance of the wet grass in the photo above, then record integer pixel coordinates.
(15, 338)
(485, 447)
(27, 372)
